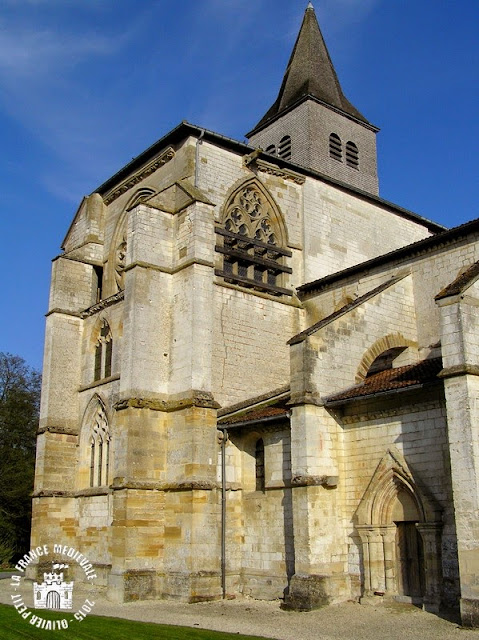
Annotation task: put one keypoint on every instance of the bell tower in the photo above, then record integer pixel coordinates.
(312, 123)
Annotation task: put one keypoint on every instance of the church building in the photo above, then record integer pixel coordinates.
(260, 377)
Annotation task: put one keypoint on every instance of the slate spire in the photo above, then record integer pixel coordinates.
(310, 73)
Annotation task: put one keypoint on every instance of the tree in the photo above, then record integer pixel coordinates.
(19, 412)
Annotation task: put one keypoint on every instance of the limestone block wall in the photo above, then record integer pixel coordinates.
(343, 230)
(340, 345)
(250, 355)
(416, 426)
(61, 372)
(309, 125)
(56, 462)
(87, 226)
(259, 524)
(430, 272)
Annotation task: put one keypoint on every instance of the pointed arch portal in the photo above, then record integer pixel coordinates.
(400, 531)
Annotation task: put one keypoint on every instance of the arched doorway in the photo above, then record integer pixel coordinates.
(400, 532)
(53, 600)
(409, 547)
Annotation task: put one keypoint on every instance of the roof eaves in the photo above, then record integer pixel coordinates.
(176, 135)
(267, 121)
(375, 394)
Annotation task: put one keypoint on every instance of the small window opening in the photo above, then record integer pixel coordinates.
(103, 353)
(352, 155)
(259, 457)
(100, 450)
(284, 148)
(335, 147)
(98, 282)
(385, 360)
(271, 149)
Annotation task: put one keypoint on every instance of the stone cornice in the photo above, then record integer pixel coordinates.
(64, 312)
(168, 270)
(99, 383)
(199, 399)
(274, 170)
(195, 484)
(65, 431)
(139, 175)
(314, 481)
(306, 398)
(459, 370)
(103, 304)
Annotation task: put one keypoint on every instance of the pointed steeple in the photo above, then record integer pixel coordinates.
(310, 74)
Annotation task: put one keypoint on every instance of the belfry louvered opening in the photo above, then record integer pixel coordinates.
(335, 147)
(284, 148)
(352, 155)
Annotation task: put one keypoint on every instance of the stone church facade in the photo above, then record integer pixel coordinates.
(261, 378)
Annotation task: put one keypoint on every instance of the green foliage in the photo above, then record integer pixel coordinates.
(19, 409)
(12, 626)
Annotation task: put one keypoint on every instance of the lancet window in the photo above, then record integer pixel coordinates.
(249, 242)
(99, 449)
(103, 352)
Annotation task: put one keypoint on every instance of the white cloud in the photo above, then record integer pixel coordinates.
(25, 52)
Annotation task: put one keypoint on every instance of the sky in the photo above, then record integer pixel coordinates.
(86, 85)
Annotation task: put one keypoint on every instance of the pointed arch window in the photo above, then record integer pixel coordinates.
(335, 147)
(99, 449)
(249, 242)
(284, 148)
(103, 353)
(352, 155)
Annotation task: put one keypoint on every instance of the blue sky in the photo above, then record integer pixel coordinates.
(85, 85)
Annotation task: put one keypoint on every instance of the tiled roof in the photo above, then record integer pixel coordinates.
(276, 409)
(411, 375)
(461, 283)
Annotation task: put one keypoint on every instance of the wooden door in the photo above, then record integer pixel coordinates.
(410, 565)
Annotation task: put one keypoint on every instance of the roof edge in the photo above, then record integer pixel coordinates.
(444, 237)
(263, 125)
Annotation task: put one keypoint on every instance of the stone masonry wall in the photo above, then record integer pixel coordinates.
(417, 428)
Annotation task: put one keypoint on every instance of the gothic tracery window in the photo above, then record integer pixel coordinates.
(248, 240)
(99, 449)
(103, 353)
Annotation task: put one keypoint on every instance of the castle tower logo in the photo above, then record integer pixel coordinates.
(54, 592)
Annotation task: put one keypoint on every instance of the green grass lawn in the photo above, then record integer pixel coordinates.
(13, 627)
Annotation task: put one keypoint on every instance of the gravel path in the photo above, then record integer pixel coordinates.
(348, 621)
